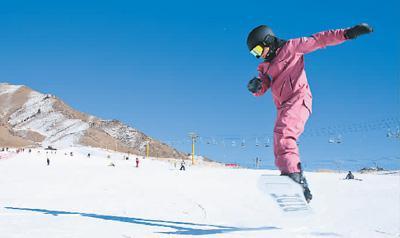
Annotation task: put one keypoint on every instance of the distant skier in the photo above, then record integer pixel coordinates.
(282, 70)
(137, 162)
(182, 165)
(349, 175)
(48, 161)
(257, 162)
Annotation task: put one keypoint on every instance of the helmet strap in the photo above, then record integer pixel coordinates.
(274, 44)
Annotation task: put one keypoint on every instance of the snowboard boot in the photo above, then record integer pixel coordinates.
(299, 178)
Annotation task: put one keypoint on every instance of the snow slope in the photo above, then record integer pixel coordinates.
(84, 197)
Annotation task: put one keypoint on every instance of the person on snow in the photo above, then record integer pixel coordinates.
(137, 162)
(258, 161)
(48, 161)
(182, 165)
(282, 70)
(349, 175)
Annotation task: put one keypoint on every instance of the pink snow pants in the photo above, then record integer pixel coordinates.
(289, 125)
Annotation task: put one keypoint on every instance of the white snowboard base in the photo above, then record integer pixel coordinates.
(285, 193)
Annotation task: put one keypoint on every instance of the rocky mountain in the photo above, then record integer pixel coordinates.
(30, 118)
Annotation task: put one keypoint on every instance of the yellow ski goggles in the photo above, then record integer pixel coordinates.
(257, 51)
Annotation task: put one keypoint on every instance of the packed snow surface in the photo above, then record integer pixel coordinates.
(78, 196)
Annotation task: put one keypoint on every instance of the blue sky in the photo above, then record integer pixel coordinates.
(170, 68)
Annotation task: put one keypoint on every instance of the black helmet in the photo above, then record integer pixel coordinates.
(259, 36)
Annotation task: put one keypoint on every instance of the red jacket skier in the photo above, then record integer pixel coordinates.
(283, 71)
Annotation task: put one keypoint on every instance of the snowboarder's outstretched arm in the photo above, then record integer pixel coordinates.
(323, 39)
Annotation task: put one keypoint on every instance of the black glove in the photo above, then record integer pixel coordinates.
(357, 30)
(255, 85)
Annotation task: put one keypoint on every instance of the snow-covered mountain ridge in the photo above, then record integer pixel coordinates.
(30, 118)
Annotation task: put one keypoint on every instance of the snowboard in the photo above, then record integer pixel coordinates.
(285, 193)
(357, 179)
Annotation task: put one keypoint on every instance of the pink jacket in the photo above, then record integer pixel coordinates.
(285, 73)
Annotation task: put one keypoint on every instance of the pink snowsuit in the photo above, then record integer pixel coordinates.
(291, 93)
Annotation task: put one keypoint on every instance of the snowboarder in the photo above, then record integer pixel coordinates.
(182, 165)
(349, 175)
(137, 162)
(282, 70)
(48, 161)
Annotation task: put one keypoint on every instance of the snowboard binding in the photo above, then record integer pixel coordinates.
(299, 178)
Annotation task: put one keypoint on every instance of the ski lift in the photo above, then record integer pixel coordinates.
(339, 139)
(267, 143)
(243, 144)
(393, 134)
(233, 143)
(335, 139)
(210, 141)
(388, 134)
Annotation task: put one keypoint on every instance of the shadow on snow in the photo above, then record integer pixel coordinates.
(180, 227)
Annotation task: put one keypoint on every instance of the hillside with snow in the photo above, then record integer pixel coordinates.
(30, 118)
(80, 196)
